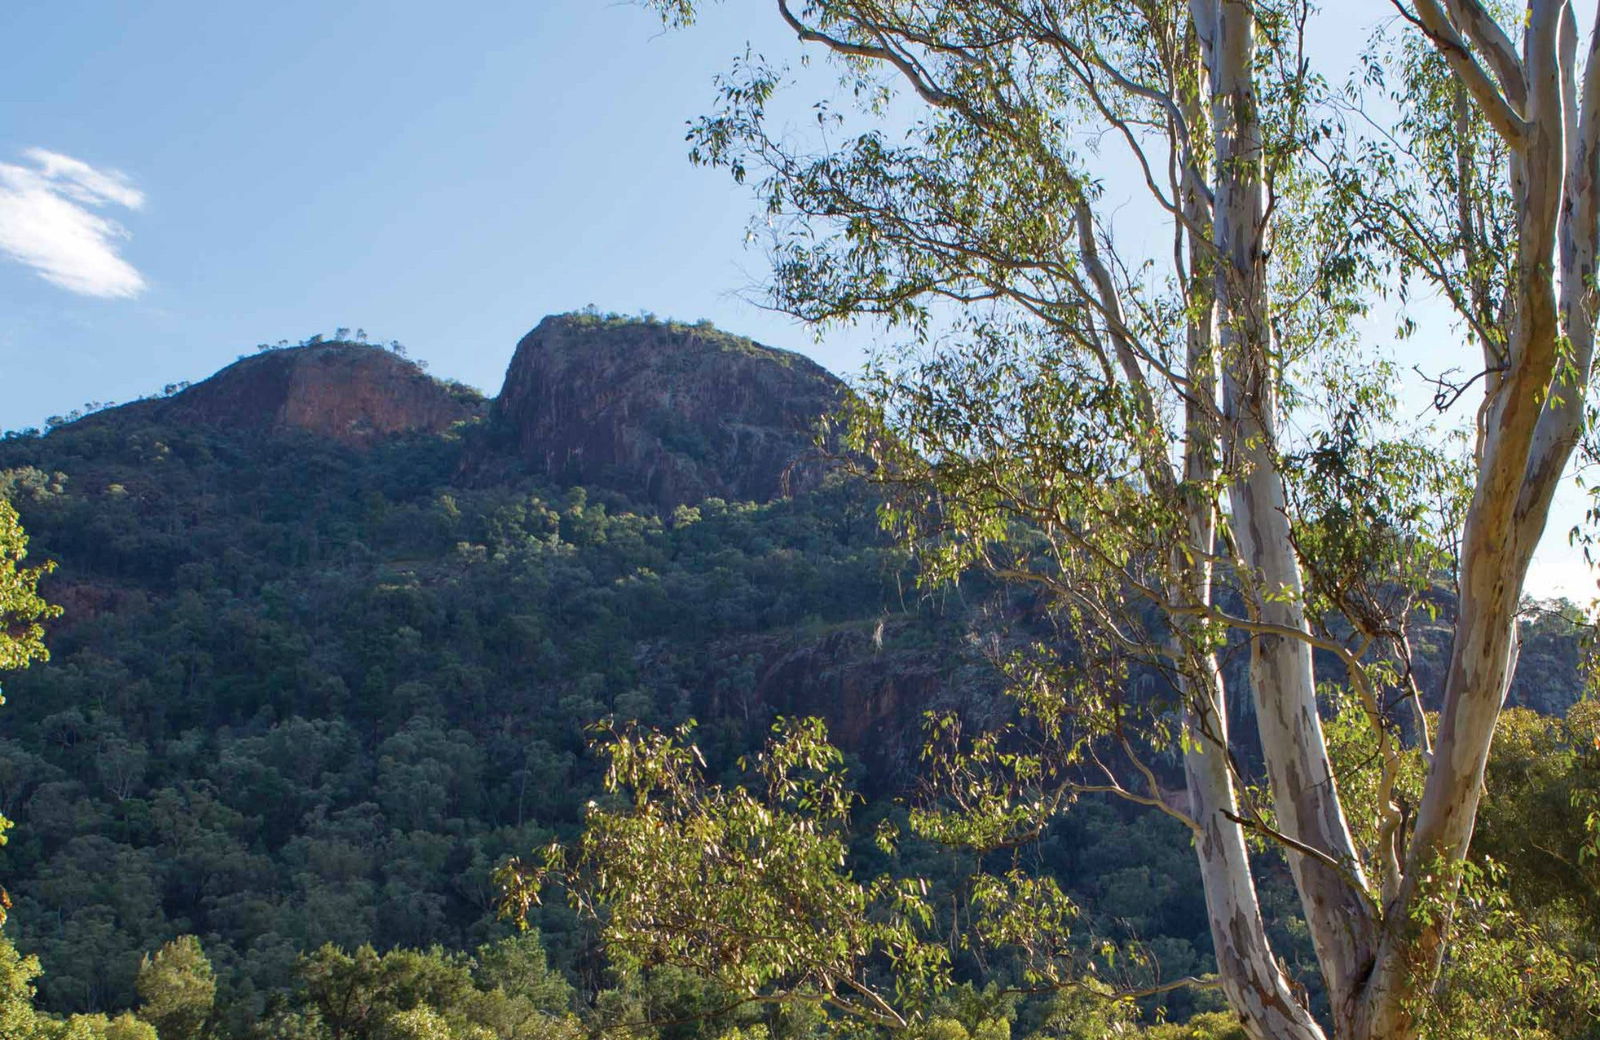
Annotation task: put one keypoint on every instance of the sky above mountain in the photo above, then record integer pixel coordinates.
(181, 181)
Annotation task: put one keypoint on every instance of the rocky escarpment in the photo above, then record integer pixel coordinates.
(872, 699)
(351, 393)
(668, 414)
(872, 683)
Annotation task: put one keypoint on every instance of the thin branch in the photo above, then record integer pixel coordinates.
(914, 75)
(1261, 827)
(1487, 35)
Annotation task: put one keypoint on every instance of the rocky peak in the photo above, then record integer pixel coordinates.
(349, 392)
(667, 413)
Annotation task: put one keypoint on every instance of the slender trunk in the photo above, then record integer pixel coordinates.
(1338, 912)
(1254, 983)
(1256, 988)
(1251, 976)
(1531, 422)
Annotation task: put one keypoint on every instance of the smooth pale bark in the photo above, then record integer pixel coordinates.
(1377, 962)
(1251, 977)
(1338, 912)
(1532, 419)
(1531, 422)
(1255, 985)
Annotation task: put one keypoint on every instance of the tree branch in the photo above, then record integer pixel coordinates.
(1438, 26)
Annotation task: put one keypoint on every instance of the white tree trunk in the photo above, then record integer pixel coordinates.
(1255, 985)
(1251, 976)
(1532, 418)
(1330, 882)
(1376, 961)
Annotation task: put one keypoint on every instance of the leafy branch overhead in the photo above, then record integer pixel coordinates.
(22, 615)
(751, 889)
(1182, 447)
(22, 610)
(755, 886)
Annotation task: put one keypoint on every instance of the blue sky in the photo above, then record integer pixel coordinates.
(444, 180)
(189, 179)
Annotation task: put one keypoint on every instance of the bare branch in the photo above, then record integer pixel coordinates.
(1487, 35)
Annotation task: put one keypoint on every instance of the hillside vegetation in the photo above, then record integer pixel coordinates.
(311, 690)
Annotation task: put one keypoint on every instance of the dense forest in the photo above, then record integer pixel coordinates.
(310, 692)
(1144, 643)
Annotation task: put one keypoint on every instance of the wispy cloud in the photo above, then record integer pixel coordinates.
(48, 222)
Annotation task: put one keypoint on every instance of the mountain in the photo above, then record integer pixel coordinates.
(335, 632)
(338, 636)
(663, 413)
(671, 414)
(347, 392)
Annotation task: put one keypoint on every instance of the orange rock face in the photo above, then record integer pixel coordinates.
(349, 393)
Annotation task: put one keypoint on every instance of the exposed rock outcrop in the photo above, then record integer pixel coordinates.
(350, 393)
(668, 414)
(872, 686)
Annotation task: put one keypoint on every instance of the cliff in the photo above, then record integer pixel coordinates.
(350, 393)
(871, 684)
(669, 414)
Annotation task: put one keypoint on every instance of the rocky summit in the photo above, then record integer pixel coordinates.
(671, 414)
(314, 684)
(348, 392)
(663, 413)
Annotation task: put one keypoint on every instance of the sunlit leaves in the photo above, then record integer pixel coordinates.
(1014, 453)
(1368, 790)
(22, 611)
(1376, 513)
(1174, 458)
(1505, 974)
(747, 885)
(1432, 188)
(22, 614)
(1030, 914)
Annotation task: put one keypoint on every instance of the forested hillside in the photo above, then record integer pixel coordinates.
(310, 690)
(336, 634)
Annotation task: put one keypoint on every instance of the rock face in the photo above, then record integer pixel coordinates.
(873, 701)
(669, 414)
(872, 686)
(351, 393)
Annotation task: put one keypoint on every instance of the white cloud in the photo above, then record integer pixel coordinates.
(47, 221)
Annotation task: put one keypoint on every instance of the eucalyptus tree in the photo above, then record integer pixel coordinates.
(1186, 447)
(22, 611)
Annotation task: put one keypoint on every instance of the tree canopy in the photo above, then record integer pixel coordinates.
(1186, 450)
(22, 610)
(22, 615)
